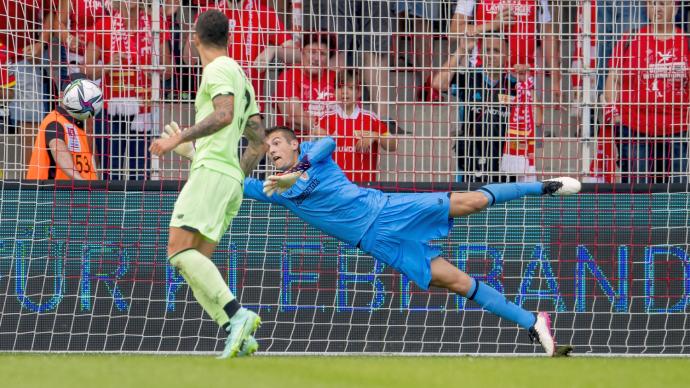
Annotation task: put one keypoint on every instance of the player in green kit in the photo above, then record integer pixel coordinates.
(225, 109)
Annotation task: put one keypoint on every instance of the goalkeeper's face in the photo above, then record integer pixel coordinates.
(282, 151)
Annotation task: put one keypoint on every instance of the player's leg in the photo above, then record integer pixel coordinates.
(463, 204)
(448, 276)
(250, 346)
(189, 253)
(202, 214)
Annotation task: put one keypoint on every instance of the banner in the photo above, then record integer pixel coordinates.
(87, 271)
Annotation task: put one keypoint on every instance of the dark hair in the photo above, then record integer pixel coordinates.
(348, 75)
(287, 132)
(212, 27)
(323, 38)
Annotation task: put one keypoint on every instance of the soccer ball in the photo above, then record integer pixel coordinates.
(82, 99)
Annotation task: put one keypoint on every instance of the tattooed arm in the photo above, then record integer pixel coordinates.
(223, 112)
(255, 132)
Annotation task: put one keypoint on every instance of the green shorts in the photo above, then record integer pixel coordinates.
(207, 203)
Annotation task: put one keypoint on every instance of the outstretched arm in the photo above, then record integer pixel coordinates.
(320, 150)
(254, 189)
(316, 152)
(311, 153)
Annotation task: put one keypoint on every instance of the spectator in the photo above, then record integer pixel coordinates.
(305, 93)
(20, 21)
(62, 149)
(614, 19)
(647, 98)
(609, 19)
(257, 38)
(178, 86)
(485, 94)
(579, 49)
(124, 44)
(74, 18)
(18, 25)
(284, 10)
(28, 105)
(169, 9)
(519, 151)
(64, 20)
(7, 85)
(602, 167)
(357, 132)
(364, 30)
(417, 18)
(518, 20)
(683, 14)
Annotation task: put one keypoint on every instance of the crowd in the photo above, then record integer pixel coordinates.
(505, 60)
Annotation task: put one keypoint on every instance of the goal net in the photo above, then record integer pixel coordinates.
(472, 93)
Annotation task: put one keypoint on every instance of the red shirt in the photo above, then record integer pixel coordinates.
(135, 50)
(21, 21)
(654, 95)
(253, 27)
(83, 14)
(522, 35)
(7, 80)
(358, 166)
(317, 94)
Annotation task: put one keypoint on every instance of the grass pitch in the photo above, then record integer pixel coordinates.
(103, 371)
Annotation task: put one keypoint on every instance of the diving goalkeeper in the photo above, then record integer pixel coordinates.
(225, 109)
(394, 228)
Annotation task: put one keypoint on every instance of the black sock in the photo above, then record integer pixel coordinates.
(231, 308)
(226, 327)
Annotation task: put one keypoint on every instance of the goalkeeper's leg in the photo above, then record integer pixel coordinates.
(463, 204)
(448, 276)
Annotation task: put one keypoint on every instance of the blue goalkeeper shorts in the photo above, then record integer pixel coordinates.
(400, 234)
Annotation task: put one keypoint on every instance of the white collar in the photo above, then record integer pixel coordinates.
(354, 115)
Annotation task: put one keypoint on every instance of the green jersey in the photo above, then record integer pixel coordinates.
(220, 151)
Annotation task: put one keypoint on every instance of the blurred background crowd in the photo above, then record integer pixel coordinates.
(412, 91)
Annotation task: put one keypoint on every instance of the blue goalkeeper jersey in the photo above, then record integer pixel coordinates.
(323, 197)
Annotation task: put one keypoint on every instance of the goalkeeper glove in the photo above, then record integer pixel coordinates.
(186, 149)
(280, 183)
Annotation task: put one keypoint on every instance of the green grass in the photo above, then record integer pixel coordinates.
(103, 371)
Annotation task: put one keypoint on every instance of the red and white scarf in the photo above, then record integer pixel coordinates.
(520, 136)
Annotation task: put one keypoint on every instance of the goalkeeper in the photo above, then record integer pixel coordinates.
(225, 108)
(394, 228)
